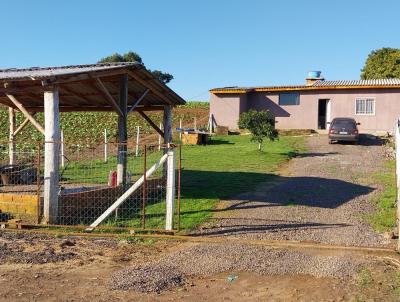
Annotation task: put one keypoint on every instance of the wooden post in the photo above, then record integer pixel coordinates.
(170, 190)
(105, 146)
(62, 150)
(195, 123)
(51, 154)
(180, 132)
(11, 143)
(137, 141)
(167, 124)
(122, 131)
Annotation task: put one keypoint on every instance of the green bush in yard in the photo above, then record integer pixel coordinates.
(261, 124)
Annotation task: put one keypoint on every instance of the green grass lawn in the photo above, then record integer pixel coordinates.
(384, 218)
(229, 165)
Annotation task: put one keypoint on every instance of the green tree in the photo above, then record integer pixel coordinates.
(261, 124)
(131, 56)
(383, 63)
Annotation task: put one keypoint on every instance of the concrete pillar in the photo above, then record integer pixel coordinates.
(51, 154)
(122, 131)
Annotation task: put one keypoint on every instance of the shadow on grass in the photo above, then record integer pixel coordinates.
(307, 191)
(272, 191)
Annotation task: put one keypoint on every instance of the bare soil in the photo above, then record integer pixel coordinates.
(331, 192)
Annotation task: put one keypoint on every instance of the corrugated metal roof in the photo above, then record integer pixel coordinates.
(318, 85)
(48, 72)
(375, 82)
(78, 89)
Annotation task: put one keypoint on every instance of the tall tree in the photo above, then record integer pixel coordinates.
(131, 56)
(383, 63)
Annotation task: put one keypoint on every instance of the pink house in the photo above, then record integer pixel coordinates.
(375, 104)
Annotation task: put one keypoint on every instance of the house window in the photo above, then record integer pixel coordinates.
(289, 99)
(365, 106)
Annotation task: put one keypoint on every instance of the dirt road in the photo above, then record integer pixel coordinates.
(321, 196)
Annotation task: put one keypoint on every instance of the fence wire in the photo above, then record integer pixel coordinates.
(89, 183)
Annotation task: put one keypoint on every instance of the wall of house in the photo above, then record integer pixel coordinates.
(226, 109)
(305, 115)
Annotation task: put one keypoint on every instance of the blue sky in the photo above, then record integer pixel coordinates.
(204, 44)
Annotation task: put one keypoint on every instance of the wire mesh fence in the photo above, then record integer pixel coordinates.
(91, 179)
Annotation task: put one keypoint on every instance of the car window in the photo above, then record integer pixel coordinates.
(343, 124)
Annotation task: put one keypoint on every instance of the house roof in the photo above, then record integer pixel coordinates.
(79, 86)
(317, 85)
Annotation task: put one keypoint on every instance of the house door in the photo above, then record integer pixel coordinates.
(324, 112)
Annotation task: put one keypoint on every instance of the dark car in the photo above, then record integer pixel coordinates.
(343, 129)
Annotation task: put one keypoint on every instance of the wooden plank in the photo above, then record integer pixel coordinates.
(26, 113)
(108, 96)
(64, 108)
(23, 124)
(51, 156)
(151, 123)
(150, 86)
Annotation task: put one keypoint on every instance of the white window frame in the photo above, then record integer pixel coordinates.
(365, 98)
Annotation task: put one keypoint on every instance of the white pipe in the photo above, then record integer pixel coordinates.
(127, 193)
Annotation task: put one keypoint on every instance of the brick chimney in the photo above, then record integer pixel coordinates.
(313, 76)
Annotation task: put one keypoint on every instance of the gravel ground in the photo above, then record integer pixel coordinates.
(210, 259)
(321, 197)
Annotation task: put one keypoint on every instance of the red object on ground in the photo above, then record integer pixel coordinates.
(113, 179)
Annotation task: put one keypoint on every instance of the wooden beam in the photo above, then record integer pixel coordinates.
(64, 108)
(108, 96)
(23, 124)
(150, 86)
(151, 123)
(26, 113)
(138, 101)
(75, 94)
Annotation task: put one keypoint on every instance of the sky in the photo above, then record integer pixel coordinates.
(203, 44)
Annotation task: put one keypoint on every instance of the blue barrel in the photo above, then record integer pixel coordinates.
(314, 74)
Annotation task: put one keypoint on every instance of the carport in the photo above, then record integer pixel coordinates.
(116, 87)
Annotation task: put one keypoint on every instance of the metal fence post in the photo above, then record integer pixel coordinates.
(179, 188)
(144, 187)
(170, 189)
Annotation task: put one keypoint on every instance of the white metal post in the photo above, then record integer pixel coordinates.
(137, 141)
(51, 155)
(105, 146)
(62, 150)
(170, 190)
(159, 138)
(11, 143)
(180, 127)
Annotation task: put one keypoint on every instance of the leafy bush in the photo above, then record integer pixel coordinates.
(261, 124)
